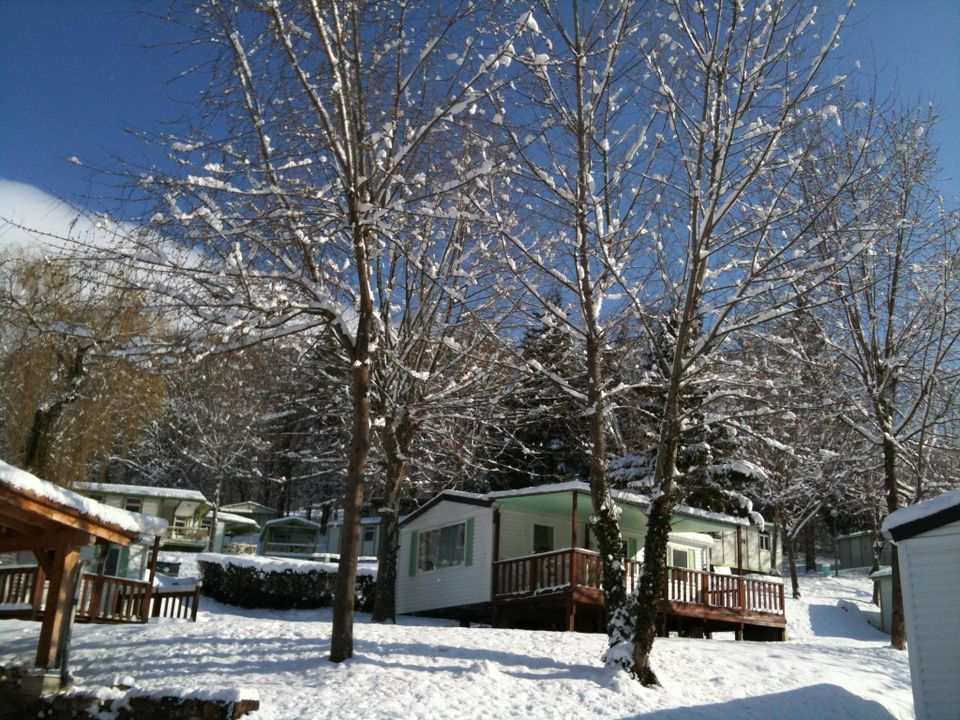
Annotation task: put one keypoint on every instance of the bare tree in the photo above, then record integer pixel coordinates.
(736, 87)
(895, 319)
(318, 135)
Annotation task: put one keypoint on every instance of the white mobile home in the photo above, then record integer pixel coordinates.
(927, 536)
(463, 554)
(299, 537)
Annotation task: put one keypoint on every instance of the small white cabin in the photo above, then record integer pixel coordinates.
(296, 536)
(927, 536)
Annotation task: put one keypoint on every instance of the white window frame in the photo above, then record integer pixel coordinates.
(133, 504)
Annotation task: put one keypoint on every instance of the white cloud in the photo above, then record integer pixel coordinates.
(35, 222)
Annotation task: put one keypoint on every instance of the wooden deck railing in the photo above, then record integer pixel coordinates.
(16, 584)
(284, 548)
(176, 601)
(103, 598)
(107, 599)
(561, 570)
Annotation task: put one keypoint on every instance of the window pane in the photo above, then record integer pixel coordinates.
(427, 556)
(679, 558)
(452, 541)
(542, 538)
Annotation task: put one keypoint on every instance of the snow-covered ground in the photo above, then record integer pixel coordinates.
(834, 666)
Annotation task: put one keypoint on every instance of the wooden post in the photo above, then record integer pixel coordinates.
(196, 601)
(145, 606)
(704, 589)
(40, 578)
(741, 594)
(783, 604)
(65, 562)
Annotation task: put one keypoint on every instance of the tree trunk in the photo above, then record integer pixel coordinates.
(654, 573)
(810, 546)
(384, 603)
(606, 514)
(341, 635)
(790, 544)
(775, 544)
(212, 538)
(898, 629)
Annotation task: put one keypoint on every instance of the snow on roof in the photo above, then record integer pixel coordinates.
(22, 481)
(859, 533)
(915, 519)
(701, 538)
(293, 518)
(568, 486)
(252, 504)
(885, 571)
(142, 491)
(236, 519)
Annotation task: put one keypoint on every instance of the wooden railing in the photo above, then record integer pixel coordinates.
(16, 584)
(176, 602)
(188, 534)
(562, 569)
(280, 548)
(107, 599)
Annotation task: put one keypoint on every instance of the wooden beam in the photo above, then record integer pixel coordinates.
(44, 560)
(66, 516)
(44, 541)
(16, 520)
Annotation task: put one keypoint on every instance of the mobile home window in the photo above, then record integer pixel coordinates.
(133, 504)
(679, 558)
(442, 547)
(368, 534)
(764, 541)
(542, 538)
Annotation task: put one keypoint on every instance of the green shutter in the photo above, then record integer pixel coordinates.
(468, 561)
(631, 548)
(414, 543)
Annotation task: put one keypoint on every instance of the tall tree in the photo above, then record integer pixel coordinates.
(735, 86)
(894, 320)
(318, 135)
(74, 385)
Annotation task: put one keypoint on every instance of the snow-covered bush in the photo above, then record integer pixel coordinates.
(280, 584)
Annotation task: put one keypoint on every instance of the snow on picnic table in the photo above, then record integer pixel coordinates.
(835, 666)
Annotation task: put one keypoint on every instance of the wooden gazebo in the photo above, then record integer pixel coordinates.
(54, 524)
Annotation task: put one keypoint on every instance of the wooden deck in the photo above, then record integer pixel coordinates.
(694, 602)
(102, 598)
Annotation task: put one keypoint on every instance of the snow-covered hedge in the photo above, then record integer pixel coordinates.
(281, 584)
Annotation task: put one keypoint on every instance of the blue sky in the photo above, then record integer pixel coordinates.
(74, 76)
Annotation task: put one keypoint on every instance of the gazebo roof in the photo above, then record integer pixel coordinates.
(33, 510)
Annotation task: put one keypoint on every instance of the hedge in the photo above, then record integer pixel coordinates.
(278, 584)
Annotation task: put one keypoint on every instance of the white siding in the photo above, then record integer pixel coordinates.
(151, 506)
(724, 551)
(451, 586)
(516, 532)
(930, 577)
